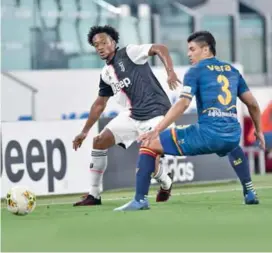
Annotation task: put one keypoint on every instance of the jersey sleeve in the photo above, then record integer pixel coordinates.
(138, 53)
(105, 90)
(189, 83)
(242, 86)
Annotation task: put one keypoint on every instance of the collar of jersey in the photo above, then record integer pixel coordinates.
(207, 59)
(111, 61)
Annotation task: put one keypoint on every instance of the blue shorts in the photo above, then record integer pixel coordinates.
(192, 140)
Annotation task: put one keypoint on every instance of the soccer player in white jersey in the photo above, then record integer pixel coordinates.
(128, 77)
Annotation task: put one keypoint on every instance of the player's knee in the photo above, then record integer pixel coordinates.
(155, 146)
(104, 140)
(100, 143)
(96, 142)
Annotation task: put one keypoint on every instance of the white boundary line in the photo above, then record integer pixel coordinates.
(151, 196)
(154, 252)
(174, 194)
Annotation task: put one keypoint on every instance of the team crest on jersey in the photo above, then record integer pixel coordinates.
(121, 65)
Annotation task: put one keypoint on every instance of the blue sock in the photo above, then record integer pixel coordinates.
(239, 163)
(145, 167)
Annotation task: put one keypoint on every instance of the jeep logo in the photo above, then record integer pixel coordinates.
(116, 87)
(35, 160)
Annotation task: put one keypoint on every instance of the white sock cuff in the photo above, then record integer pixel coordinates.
(99, 152)
(99, 160)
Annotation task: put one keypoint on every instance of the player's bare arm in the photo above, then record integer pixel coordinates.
(172, 115)
(96, 110)
(255, 113)
(163, 53)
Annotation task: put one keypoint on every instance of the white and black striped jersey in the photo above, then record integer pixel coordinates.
(129, 78)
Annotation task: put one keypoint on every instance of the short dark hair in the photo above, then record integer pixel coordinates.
(204, 37)
(103, 29)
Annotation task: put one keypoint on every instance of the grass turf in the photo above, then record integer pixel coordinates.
(197, 218)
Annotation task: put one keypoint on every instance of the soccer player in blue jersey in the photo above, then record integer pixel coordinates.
(216, 86)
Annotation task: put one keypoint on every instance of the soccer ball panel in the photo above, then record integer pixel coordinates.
(20, 200)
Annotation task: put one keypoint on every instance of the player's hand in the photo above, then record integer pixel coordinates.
(78, 140)
(173, 80)
(260, 138)
(146, 138)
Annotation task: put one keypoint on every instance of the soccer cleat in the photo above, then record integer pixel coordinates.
(89, 200)
(134, 205)
(251, 198)
(163, 195)
(84, 196)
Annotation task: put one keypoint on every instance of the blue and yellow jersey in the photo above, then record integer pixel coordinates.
(216, 86)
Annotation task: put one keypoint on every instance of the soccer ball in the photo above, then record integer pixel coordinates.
(20, 201)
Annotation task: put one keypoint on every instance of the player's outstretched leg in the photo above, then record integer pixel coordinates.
(239, 162)
(145, 167)
(97, 168)
(164, 179)
(164, 193)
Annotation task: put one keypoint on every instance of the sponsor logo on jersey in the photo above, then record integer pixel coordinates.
(116, 87)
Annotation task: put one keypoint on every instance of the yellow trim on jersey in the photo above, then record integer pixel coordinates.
(233, 106)
(174, 137)
(214, 108)
(210, 108)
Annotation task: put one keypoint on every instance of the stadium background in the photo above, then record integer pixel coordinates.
(49, 79)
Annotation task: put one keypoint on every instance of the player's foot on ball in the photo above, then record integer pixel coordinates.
(251, 198)
(89, 200)
(134, 205)
(163, 195)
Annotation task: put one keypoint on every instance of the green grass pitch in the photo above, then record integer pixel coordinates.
(196, 218)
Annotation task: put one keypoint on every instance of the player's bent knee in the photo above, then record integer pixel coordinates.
(104, 140)
(155, 145)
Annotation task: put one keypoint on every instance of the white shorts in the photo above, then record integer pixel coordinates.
(126, 130)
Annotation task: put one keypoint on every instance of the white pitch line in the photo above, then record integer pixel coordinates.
(174, 194)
